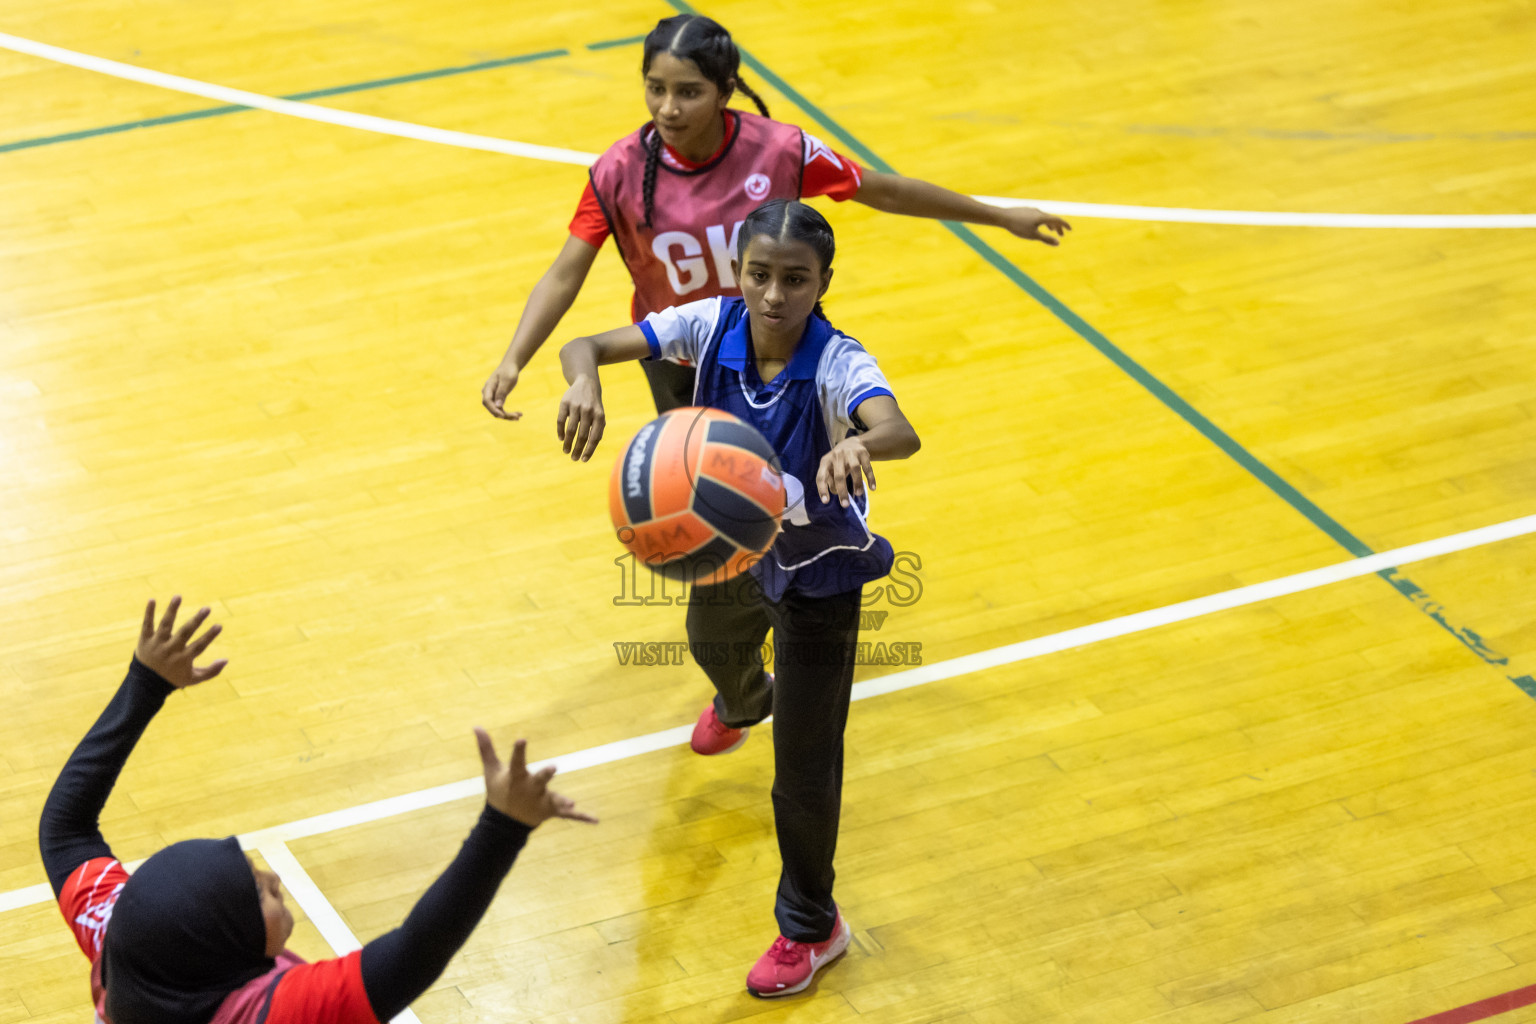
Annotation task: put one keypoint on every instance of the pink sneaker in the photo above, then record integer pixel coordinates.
(711, 737)
(789, 966)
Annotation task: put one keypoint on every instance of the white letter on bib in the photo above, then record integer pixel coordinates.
(693, 266)
(722, 252)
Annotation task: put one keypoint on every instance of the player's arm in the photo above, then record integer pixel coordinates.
(69, 832)
(889, 435)
(582, 356)
(580, 420)
(550, 299)
(892, 193)
(399, 966)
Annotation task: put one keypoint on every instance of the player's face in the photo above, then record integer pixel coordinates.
(782, 280)
(274, 912)
(684, 105)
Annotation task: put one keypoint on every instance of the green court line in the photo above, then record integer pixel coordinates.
(1467, 637)
(313, 94)
(112, 129)
(608, 44)
(422, 76)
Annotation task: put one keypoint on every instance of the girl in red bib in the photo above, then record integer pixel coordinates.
(674, 193)
(197, 935)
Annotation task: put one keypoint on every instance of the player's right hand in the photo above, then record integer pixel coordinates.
(172, 652)
(579, 422)
(525, 797)
(494, 395)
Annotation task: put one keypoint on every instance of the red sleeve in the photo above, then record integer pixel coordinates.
(87, 899)
(826, 173)
(589, 224)
(328, 992)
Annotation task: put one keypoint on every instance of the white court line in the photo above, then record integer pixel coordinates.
(307, 111)
(324, 916)
(405, 129)
(42, 893)
(28, 897)
(1082, 636)
(1174, 214)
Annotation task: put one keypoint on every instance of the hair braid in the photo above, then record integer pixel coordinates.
(746, 90)
(648, 186)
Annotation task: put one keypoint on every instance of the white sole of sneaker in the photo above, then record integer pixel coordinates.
(734, 746)
(837, 949)
(737, 745)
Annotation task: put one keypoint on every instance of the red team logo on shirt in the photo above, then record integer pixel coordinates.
(757, 186)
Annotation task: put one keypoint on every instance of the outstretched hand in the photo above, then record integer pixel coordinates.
(843, 471)
(514, 792)
(172, 652)
(1028, 222)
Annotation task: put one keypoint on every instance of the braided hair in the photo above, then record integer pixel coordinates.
(707, 45)
(789, 220)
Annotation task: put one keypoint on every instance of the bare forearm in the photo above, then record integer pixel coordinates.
(549, 301)
(890, 439)
(892, 193)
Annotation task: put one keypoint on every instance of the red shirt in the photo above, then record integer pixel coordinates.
(825, 173)
(327, 992)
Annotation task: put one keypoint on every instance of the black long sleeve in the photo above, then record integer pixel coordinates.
(401, 965)
(69, 832)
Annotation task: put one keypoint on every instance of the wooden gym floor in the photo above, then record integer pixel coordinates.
(241, 357)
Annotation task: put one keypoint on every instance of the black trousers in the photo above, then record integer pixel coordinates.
(814, 647)
(671, 384)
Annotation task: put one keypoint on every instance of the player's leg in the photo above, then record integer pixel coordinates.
(815, 641)
(727, 624)
(671, 384)
(815, 647)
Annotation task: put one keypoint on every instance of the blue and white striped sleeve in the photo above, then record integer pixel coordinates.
(678, 333)
(848, 375)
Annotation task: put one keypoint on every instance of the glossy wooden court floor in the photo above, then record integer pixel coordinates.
(241, 357)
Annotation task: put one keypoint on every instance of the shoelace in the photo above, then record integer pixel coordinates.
(786, 951)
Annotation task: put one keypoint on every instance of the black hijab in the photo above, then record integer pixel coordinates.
(186, 932)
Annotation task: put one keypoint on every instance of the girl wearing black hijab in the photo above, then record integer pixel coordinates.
(197, 934)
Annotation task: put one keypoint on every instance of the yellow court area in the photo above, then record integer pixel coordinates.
(240, 360)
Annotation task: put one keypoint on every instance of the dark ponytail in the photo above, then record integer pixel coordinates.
(789, 220)
(708, 46)
(652, 162)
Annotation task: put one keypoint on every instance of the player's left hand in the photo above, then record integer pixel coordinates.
(519, 793)
(172, 652)
(848, 462)
(1028, 222)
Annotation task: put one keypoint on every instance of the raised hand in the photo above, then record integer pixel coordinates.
(1028, 222)
(514, 792)
(172, 652)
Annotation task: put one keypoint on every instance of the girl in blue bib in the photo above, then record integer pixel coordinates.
(772, 359)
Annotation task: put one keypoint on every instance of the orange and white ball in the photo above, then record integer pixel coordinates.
(697, 495)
